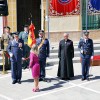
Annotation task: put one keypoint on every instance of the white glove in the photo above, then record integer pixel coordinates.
(91, 57)
(20, 45)
(23, 58)
(11, 54)
(81, 51)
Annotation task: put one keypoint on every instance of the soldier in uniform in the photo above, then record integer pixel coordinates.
(16, 52)
(86, 54)
(43, 46)
(5, 38)
(24, 36)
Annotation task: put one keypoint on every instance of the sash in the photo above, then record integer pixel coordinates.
(42, 42)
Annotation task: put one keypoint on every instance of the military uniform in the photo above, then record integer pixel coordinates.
(16, 53)
(4, 43)
(24, 36)
(86, 51)
(43, 54)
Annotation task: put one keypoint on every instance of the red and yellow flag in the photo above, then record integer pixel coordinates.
(31, 36)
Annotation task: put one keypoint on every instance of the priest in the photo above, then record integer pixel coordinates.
(65, 54)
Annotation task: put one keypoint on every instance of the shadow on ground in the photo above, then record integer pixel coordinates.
(56, 85)
(28, 80)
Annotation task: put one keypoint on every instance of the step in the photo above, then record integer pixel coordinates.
(55, 49)
(75, 45)
(56, 60)
(76, 54)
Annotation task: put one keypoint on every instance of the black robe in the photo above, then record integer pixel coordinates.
(65, 54)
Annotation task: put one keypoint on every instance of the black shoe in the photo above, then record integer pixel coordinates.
(83, 79)
(44, 79)
(65, 79)
(14, 82)
(88, 79)
(62, 78)
(24, 68)
(19, 81)
(7, 68)
(68, 78)
(40, 79)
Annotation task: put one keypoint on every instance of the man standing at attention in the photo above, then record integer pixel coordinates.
(24, 36)
(16, 52)
(5, 38)
(43, 47)
(86, 54)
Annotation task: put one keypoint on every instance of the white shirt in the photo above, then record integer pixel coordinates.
(85, 40)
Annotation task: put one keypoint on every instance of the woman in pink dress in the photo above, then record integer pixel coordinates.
(35, 67)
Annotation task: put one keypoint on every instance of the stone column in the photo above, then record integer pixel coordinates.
(12, 17)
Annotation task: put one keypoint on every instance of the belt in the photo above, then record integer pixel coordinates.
(86, 53)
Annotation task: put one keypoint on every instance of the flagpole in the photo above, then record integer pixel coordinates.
(81, 18)
(86, 14)
(47, 19)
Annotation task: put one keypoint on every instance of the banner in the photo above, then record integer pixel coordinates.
(94, 6)
(64, 7)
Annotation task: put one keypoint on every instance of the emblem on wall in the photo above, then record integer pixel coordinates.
(94, 6)
(64, 1)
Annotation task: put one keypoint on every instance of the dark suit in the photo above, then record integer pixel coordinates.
(24, 36)
(16, 59)
(86, 51)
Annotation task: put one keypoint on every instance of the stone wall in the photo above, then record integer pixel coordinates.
(75, 36)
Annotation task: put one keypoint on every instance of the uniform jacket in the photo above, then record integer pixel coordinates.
(5, 38)
(44, 50)
(24, 36)
(14, 48)
(86, 49)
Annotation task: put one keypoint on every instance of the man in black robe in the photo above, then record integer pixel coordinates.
(65, 54)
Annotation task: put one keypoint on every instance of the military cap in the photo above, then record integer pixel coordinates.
(41, 31)
(7, 27)
(26, 26)
(86, 33)
(16, 33)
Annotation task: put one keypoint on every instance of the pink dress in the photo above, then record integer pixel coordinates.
(34, 65)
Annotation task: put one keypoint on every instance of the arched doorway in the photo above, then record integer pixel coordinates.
(24, 8)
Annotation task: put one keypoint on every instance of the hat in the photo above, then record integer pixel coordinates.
(7, 27)
(16, 33)
(86, 33)
(26, 26)
(41, 31)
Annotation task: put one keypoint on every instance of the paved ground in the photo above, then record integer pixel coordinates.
(54, 89)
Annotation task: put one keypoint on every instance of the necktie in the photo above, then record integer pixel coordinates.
(41, 39)
(86, 41)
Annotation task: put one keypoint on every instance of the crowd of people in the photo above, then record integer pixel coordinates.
(19, 55)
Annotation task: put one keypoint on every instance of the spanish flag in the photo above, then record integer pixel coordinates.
(31, 36)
